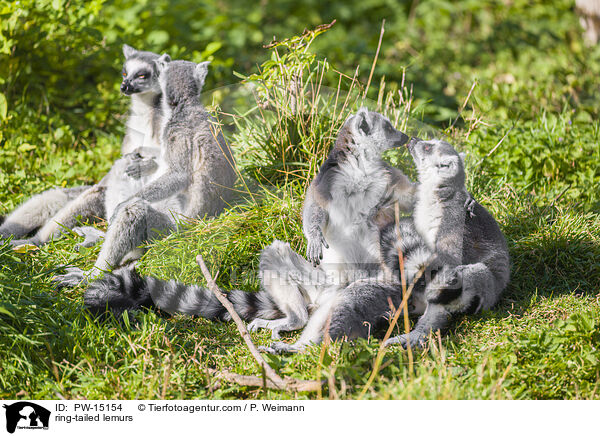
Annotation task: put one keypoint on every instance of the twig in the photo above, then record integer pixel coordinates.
(319, 29)
(403, 280)
(252, 380)
(270, 372)
(271, 379)
(496, 146)
(375, 59)
(463, 106)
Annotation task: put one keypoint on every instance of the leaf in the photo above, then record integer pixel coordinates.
(211, 48)
(5, 311)
(157, 37)
(25, 248)
(3, 107)
(25, 147)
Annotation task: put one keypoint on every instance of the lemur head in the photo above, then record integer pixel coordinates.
(437, 161)
(373, 133)
(140, 75)
(180, 81)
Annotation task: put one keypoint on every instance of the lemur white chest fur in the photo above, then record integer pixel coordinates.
(357, 189)
(428, 212)
(140, 123)
(140, 132)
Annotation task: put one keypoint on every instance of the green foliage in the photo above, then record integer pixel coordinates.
(535, 82)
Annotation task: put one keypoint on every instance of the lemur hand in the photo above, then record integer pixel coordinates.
(140, 166)
(470, 205)
(314, 248)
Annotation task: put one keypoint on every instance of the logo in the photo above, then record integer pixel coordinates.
(26, 415)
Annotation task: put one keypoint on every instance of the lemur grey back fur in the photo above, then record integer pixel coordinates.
(465, 254)
(56, 209)
(344, 205)
(198, 180)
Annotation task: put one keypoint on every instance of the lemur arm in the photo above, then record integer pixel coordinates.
(403, 190)
(314, 218)
(179, 175)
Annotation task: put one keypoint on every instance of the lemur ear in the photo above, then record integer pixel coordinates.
(200, 73)
(462, 157)
(128, 51)
(361, 122)
(162, 63)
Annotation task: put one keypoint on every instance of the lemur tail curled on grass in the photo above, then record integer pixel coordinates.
(353, 193)
(56, 209)
(198, 181)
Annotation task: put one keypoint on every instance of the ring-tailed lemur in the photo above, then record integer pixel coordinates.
(198, 180)
(56, 209)
(344, 204)
(465, 255)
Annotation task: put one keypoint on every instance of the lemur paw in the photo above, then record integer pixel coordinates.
(314, 248)
(90, 234)
(281, 347)
(28, 241)
(73, 277)
(470, 205)
(141, 166)
(259, 323)
(415, 338)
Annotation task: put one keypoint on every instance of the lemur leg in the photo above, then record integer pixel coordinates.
(36, 211)
(88, 205)
(312, 333)
(465, 289)
(364, 306)
(285, 276)
(133, 223)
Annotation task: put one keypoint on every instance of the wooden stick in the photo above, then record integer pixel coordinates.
(270, 372)
(375, 59)
(252, 380)
(270, 379)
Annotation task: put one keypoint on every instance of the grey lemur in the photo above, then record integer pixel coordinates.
(465, 255)
(56, 209)
(198, 179)
(344, 206)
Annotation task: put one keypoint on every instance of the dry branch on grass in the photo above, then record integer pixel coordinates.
(270, 378)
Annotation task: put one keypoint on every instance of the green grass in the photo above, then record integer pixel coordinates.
(541, 183)
(540, 342)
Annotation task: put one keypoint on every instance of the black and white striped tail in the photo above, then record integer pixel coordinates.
(125, 289)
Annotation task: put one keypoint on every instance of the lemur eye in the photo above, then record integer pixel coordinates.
(124, 74)
(141, 76)
(427, 148)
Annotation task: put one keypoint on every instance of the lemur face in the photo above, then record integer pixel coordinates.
(436, 158)
(139, 72)
(377, 132)
(138, 77)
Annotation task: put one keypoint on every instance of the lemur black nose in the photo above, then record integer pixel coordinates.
(124, 86)
(413, 141)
